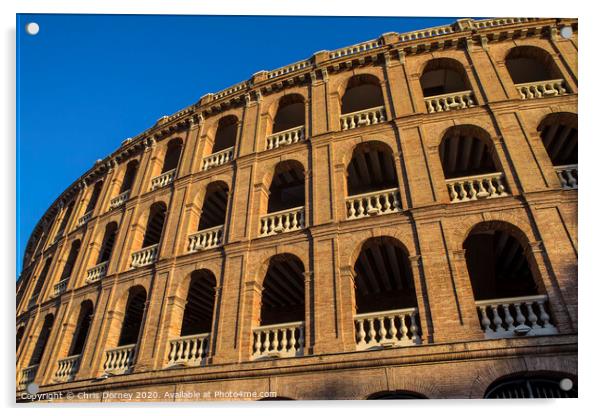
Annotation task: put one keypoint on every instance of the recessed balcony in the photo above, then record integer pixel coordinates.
(146, 256)
(286, 137)
(219, 158)
(120, 199)
(84, 219)
(190, 351)
(163, 180)
(119, 360)
(282, 221)
(206, 239)
(28, 375)
(278, 341)
(515, 317)
(67, 368)
(472, 188)
(541, 89)
(373, 203)
(387, 329)
(451, 101)
(567, 175)
(60, 287)
(97, 272)
(363, 118)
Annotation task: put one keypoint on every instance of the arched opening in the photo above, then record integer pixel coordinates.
(290, 114)
(225, 135)
(282, 309)
(215, 204)
(527, 64)
(20, 332)
(94, 197)
(385, 297)
(470, 165)
(503, 282)
(71, 259)
(84, 320)
(129, 176)
(41, 279)
(108, 241)
(287, 189)
(134, 313)
(154, 225)
(65, 219)
(172, 155)
(533, 385)
(443, 76)
(558, 132)
(396, 395)
(200, 302)
(42, 341)
(362, 92)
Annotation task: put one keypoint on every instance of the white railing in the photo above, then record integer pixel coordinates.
(567, 175)
(396, 328)
(373, 203)
(426, 33)
(448, 102)
(231, 90)
(289, 68)
(97, 272)
(119, 360)
(360, 47)
(541, 89)
(481, 24)
(146, 256)
(282, 221)
(67, 368)
(84, 218)
(510, 317)
(189, 350)
(286, 137)
(219, 158)
(205, 239)
(363, 118)
(120, 199)
(471, 188)
(28, 375)
(282, 340)
(163, 179)
(60, 287)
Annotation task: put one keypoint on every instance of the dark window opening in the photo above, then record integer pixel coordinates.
(531, 386)
(108, 241)
(172, 155)
(283, 296)
(94, 198)
(71, 259)
(129, 177)
(132, 321)
(20, 333)
(213, 212)
(66, 217)
(225, 136)
(558, 133)
(198, 313)
(42, 278)
(465, 151)
(291, 113)
(154, 226)
(363, 92)
(84, 320)
(531, 64)
(371, 169)
(287, 189)
(443, 76)
(42, 341)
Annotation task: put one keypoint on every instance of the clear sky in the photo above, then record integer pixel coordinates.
(87, 82)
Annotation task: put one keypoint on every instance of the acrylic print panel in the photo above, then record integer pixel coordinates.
(387, 212)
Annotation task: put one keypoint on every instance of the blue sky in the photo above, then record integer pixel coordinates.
(87, 82)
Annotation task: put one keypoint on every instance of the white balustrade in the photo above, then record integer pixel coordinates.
(67, 368)
(360, 47)
(482, 24)
(219, 158)
(373, 203)
(541, 89)
(120, 199)
(191, 350)
(206, 239)
(28, 375)
(146, 256)
(282, 221)
(363, 118)
(297, 66)
(471, 188)
(163, 179)
(567, 175)
(396, 328)
(511, 317)
(282, 340)
(60, 287)
(119, 360)
(97, 272)
(426, 33)
(84, 218)
(286, 137)
(448, 102)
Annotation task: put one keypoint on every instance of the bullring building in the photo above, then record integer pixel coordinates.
(392, 219)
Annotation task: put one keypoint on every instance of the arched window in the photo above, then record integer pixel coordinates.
(290, 114)
(470, 165)
(215, 204)
(445, 86)
(287, 189)
(533, 386)
(385, 297)
(154, 225)
(362, 104)
(41, 279)
(200, 302)
(558, 132)
(172, 155)
(84, 320)
(42, 340)
(282, 315)
(503, 282)
(534, 72)
(20, 333)
(94, 197)
(129, 176)
(108, 241)
(134, 313)
(71, 259)
(225, 135)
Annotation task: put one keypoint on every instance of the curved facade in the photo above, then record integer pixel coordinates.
(397, 218)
